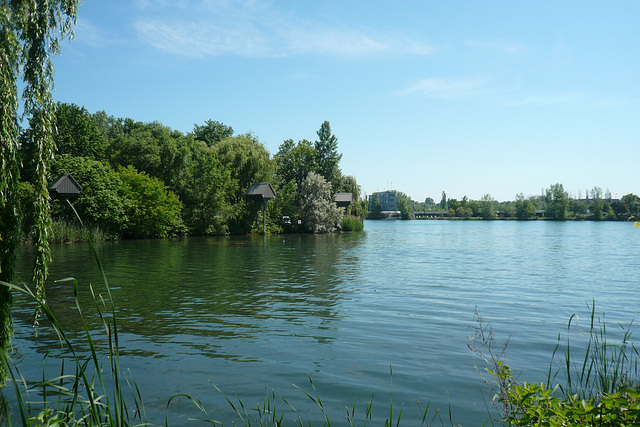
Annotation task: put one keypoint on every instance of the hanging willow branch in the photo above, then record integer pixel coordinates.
(30, 34)
(9, 168)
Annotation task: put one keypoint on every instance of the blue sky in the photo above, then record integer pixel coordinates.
(476, 97)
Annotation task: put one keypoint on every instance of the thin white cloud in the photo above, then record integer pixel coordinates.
(573, 98)
(547, 100)
(192, 39)
(252, 29)
(510, 47)
(154, 4)
(87, 33)
(443, 88)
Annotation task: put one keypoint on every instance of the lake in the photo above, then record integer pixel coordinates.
(386, 311)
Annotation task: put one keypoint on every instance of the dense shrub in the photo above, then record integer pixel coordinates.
(153, 210)
(103, 199)
(351, 223)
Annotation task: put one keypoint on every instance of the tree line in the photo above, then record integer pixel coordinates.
(147, 180)
(554, 204)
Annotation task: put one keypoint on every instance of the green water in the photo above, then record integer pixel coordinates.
(250, 314)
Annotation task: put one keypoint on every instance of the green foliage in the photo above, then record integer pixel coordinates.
(328, 157)
(65, 231)
(403, 203)
(429, 203)
(599, 387)
(154, 149)
(557, 202)
(351, 223)
(507, 209)
(212, 132)
(77, 133)
(577, 207)
(124, 202)
(293, 162)
(30, 33)
(248, 162)
(103, 200)
(597, 206)
(535, 404)
(350, 185)
(631, 204)
(153, 210)
(488, 207)
(359, 208)
(284, 208)
(206, 197)
(318, 212)
(525, 209)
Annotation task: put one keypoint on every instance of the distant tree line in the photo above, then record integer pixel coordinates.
(147, 180)
(555, 204)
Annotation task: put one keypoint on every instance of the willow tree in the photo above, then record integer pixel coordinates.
(30, 34)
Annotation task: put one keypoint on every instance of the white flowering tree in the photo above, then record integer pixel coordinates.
(318, 212)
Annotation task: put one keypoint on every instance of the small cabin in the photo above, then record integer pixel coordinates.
(65, 187)
(343, 200)
(261, 192)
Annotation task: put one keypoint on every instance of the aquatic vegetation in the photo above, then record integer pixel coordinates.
(600, 386)
(351, 223)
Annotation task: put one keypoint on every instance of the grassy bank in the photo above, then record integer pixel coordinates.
(67, 231)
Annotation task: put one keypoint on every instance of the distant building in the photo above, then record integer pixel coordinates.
(387, 200)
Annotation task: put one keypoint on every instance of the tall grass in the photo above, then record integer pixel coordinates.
(64, 231)
(351, 223)
(598, 385)
(606, 366)
(83, 396)
(268, 414)
(67, 231)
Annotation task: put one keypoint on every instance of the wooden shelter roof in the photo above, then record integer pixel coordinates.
(343, 199)
(261, 191)
(65, 185)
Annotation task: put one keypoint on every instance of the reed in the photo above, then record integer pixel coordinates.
(66, 231)
(598, 385)
(351, 223)
(63, 231)
(269, 415)
(81, 397)
(606, 366)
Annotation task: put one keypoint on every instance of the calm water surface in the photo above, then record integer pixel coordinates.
(250, 315)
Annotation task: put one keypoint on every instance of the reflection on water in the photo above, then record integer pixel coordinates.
(247, 313)
(211, 288)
